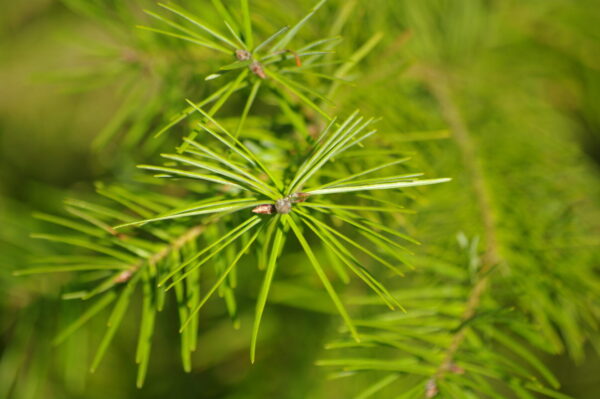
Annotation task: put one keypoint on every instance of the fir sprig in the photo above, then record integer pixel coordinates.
(235, 173)
(267, 175)
(263, 62)
(160, 253)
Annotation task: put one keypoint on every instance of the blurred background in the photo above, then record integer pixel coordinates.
(82, 91)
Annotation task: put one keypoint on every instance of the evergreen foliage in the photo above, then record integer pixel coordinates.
(261, 191)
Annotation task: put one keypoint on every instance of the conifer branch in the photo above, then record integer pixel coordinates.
(188, 236)
(252, 178)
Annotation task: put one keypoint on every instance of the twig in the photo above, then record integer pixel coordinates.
(437, 82)
(183, 239)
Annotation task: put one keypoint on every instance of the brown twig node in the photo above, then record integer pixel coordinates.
(242, 55)
(282, 205)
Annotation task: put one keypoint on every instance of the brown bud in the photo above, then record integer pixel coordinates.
(258, 70)
(264, 209)
(299, 197)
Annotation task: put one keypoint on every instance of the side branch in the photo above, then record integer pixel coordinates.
(437, 83)
(183, 239)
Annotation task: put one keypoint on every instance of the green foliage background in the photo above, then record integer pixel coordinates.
(82, 91)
